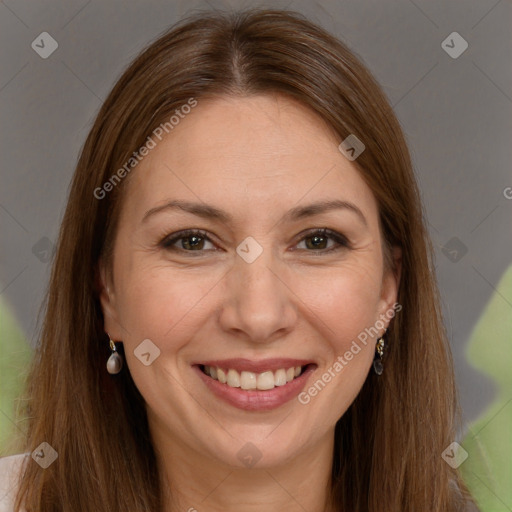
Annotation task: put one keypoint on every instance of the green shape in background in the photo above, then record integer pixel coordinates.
(15, 357)
(488, 469)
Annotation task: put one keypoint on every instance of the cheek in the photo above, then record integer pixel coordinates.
(148, 305)
(161, 304)
(345, 300)
(347, 313)
(344, 305)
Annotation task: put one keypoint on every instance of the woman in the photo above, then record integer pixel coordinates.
(244, 224)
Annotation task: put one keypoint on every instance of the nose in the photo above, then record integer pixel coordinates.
(258, 301)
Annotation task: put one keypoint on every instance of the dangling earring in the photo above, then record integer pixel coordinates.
(378, 367)
(115, 361)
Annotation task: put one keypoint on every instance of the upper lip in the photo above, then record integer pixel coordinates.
(248, 365)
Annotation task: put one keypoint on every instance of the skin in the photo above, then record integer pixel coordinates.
(256, 158)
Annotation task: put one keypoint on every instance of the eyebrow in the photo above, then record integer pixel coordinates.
(297, 213)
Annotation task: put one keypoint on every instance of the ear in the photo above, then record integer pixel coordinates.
(391, 284)
(105, 289)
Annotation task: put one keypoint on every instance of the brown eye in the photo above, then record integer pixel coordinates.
(318, 240)
(189, 241)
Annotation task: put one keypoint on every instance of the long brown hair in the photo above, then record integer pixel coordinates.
(388, 444)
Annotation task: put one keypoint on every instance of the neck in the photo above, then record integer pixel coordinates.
(193, 481)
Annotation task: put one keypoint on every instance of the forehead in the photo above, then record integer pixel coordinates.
(246, 152)
(242, 130)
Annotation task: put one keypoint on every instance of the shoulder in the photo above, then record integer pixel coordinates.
(10, 468)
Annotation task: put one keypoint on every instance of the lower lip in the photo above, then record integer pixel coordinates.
(256, 400)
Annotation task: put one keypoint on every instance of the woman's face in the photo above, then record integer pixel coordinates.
(257, 292)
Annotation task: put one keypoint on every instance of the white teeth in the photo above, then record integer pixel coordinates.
(280, 377)
(250, 380)
(221, 376)
(247, 380)
(233, 378)
(265, 381)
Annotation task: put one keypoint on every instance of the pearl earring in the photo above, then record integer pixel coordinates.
(115, 361)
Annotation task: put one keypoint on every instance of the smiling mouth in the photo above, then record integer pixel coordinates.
(252, 381)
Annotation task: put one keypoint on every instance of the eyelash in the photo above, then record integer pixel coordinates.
(341, 241)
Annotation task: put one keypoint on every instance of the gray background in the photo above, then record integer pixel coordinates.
(456, 114)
